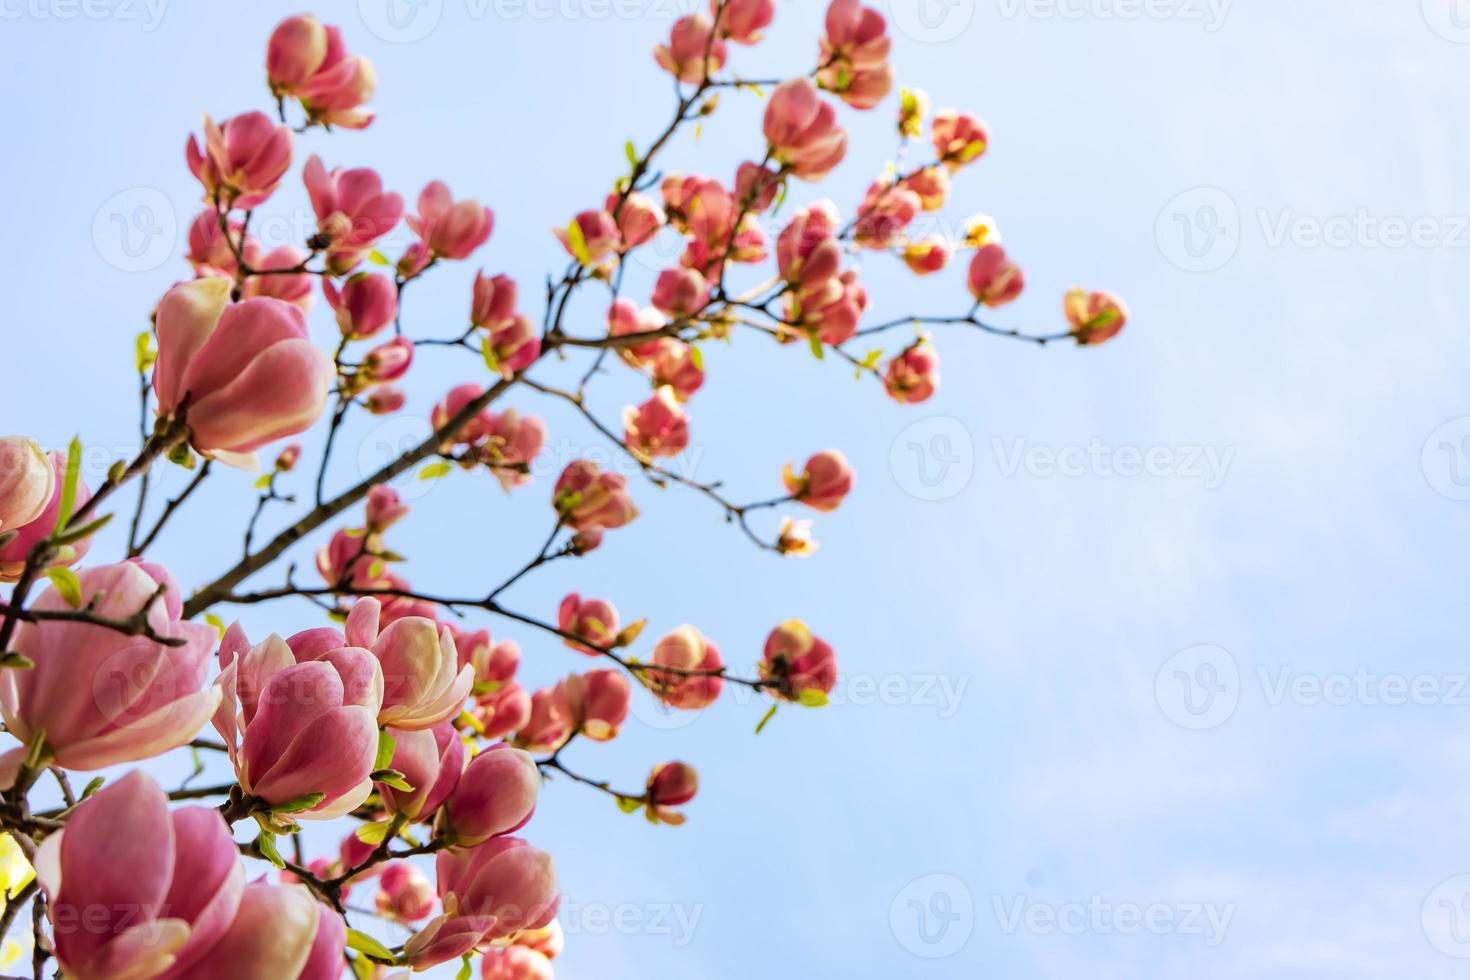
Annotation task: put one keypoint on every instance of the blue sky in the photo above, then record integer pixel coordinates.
(1203, 718)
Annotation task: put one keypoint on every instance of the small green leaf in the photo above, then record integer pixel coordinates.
(393, 778)
(464, 969)
(373, 833)
(487, 350)
(629, 805)
(143, 353)
(764, 721)
(299, 804)
(435, 471)
(631, 152)
(67, 584)
(816, 343)
(363, 968)
(264, 480)
(85, 531)
(36, 751)
(217, 623)
(69, 486)
(696, 357)
(16, 661)
(577, 243)
(387, 745)
(369, 946)
(92, 786)
(378, 258)
(266, 845)
(812, 698)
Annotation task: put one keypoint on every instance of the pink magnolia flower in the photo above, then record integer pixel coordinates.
(745, 21)
(349, 558)
(515, 963)
(489, 892)
(210, 254)
(807, 251)
(450, 229)
(134, 890)
(864, 88)
(931, 184)
(514, 441)
(296, 729)
(390, 361)
(423, 682)
(680, 292)
(625, 319)
(243, 159)
(549, 940)
(515, 344)
(308, 60)
(550, 721)
(589, 498)
(598, 702)
(279, 931)
(801, 130)
(13, 553)
(494, 300)
(494, 663)
(855, 54)
(799, 661)
(913, 376)
(495, 796)
(405, 894)
(669, 785)
(685, 650)
(502, 711)
(658, 427)
(245, 373)
(885, 212)
(594, 620)
(1095, 317)
(352, 211)
(959, 138)
(994, 279)
(384, 507)
(928, 255)
(678, 366)
(831, 309)
(292, 287)
(639, 218)
(365, 304)
(599, 236)
(27, 481)
(287, 458)
(693, 52)
(757, 186)
(431, 761)
(824, 484)
(102, 697)
(385, 400)
(473, 432)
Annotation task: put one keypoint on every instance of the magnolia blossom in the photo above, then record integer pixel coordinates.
(364, 304)
(512, 443)
(549, 723)
(243, 159)
(669, 785)
(405, 894)
(598, 702)
(625, 319)
(994, 279)
(308, 60)
(959, 138)
(13, 553)
(515, 344)
(855, 54)
(431, 761)
(831, 309)
(423, 682)
(242, 374)
(389, 361)
(292, 287)
(744, 21)
(505, 710)
(680, 292)
(495, 796)
(588, 498)
(494, 300)
(450, 229)
(638, 218)
(692, 681)
(591, 237)
(300, 732)
(799, 662)
(516, 963)
(807, 250)
(99, 696)
(801, 128)
(1095, 317)
(693, 53)
(134, 890)
(279, 931)
(678, 366)
(473, 431)
(658, 427)
(594, 620)
(885, 212)
(927, 255)
(494, 664)
(931, 185)
(352, 211)
(823, 484)
(913, 376)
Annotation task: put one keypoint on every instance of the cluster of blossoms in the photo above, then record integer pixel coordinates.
(397, 716)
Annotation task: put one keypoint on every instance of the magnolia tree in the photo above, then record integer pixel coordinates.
(384, 710)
